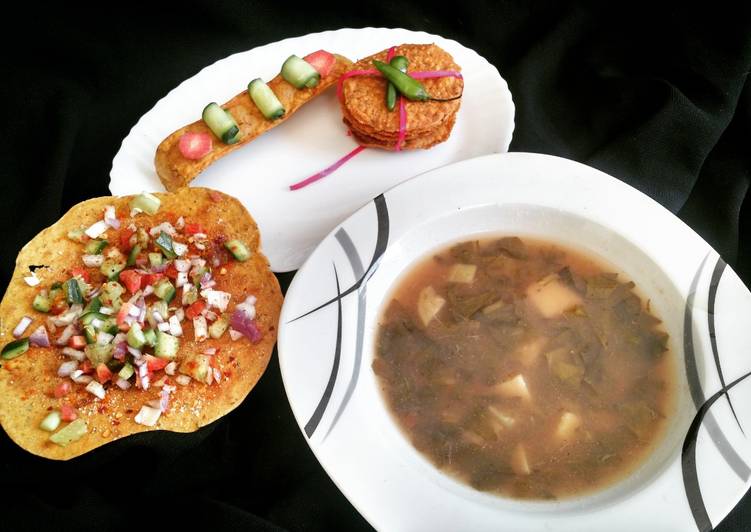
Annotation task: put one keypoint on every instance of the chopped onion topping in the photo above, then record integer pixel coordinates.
(248, 307)
(235, 335)
(134, 311)
(120, 349)
(143, 376)
(133, 351)
(175, 328)
(96, 389)
(170, 368)
(93, 261)
(200, 236)
(110, 218)
(200, 329)
(97, 323)
(23, 324)
(148, 290)
(164, 397)
(96, 229)
(180, 223)
(135, 211)
(182, 265)
(69, 331)
(79, 378)
(181, 279)
(179, 249)
(39, 337)
(216, 298)
(122, 383)
(164, 226)
(209, 351)
(148, 416)
(217, 375)
(32, 280)
(103, 338)
(211, 316)
(183, 380)
(74, 353)
(157, 316)
(68, 317)
(163, 326)
(107, 311)
(180, 314)
(67, 367)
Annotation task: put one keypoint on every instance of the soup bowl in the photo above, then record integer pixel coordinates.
(693, 475)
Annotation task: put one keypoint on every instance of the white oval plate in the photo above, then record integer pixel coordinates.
(693, 478)
(259, 174)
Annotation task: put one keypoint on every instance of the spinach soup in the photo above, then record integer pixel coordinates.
(524, 368)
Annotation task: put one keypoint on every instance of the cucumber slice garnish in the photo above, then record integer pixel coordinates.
(146, 202)
(238, 249)
(221, 123)
(299, 73)
(166, 345)
(265, 99)
(14, 349)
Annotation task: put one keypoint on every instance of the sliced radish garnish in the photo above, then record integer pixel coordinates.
(322, 61)
(195, 146)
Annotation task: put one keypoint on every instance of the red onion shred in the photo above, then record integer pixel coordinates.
(327, 171)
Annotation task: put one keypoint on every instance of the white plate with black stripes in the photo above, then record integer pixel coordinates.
(694, 476)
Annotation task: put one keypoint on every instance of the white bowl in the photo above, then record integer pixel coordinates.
(692, 478)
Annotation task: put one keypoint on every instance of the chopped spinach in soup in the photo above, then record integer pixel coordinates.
(524, 368)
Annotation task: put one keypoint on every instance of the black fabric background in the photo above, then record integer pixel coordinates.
(655, 96)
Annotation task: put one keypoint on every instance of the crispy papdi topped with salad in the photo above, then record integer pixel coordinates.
(131, 314)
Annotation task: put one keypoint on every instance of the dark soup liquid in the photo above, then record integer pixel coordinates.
(524, 368)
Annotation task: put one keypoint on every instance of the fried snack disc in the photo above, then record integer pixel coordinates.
(363, 100)
(176, 171)
(27, 382)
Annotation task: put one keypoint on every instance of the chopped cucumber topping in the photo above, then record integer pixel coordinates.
(126, 372)
(14, 349)
(73, 291)
(145, 202)
(217, 329)
(136, 337)
(221, 123)
(166, 345)
(70, 433)
(299, 73)
(42, 302)
(165, 291)
(51, 422)
(150, 336)
(112, 268)
(76, 235)
(164, 242)
(99, 354)
(238, 249)
(155, 259)
(95, 247)
(265, 99)
(133, 255)
(90, 333)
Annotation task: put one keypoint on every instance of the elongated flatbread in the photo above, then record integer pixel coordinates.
(176, 171)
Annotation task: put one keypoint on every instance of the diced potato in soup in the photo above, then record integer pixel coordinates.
(525, 369)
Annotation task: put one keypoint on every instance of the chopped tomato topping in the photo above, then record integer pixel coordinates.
(123, 313)
(77, 342)
(62, 389)
(155, 363)
(131, 279)
(195, 309)
(67, 412)
(86, 367)
(125, 235)
(192, 229)
(83, 273)
(103, 373)
(151, 279)
(58, 307)
(171, 271)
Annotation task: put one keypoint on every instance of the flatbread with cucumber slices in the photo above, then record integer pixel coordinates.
(141, 313)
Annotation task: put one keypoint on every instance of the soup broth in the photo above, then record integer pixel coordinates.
(524, 368)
